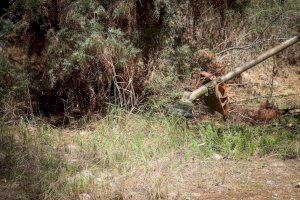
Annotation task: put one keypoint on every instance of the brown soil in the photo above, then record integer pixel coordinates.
(11, 190)
(256, 179)
(265, 178)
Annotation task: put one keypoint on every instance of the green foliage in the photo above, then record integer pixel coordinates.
(86, 33)
(6, 27)
(120, 9)
(45, 162)
(13, 81)
(241, 141)
(93, 32)
(184, 57)
(33, 8)
(239, 6)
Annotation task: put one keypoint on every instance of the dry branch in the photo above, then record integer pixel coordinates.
(188, 97)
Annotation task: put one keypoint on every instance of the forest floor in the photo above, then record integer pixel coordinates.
(154, 156)
(12, 190)
(265, 178)
(256, 86)
(130, 156)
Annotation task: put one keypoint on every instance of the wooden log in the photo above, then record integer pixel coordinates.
(188, 97)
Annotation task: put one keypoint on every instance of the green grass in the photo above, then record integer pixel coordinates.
(101, 157)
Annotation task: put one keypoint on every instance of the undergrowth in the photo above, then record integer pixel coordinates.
(88, 57)
(142, 152)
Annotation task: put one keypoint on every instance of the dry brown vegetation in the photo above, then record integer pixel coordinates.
(83, 56)
(86, 88)
(130, 156)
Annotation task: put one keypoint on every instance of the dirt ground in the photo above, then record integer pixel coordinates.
(254, 179)
(11, 190)
(262, 178)
(256, 86)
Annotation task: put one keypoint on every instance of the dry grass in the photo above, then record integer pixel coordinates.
(152, 156)
(132, 156)
(256, 86)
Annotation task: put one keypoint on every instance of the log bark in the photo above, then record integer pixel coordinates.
(188, 97)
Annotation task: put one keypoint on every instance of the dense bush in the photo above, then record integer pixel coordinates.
(84, 55)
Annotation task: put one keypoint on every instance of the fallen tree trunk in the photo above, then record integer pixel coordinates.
(188, 97)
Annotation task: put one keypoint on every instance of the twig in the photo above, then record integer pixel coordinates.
(272, 78)
(237, 84)
(246, 47)
(256, 41)
(30, 102)
(4, 14)
(66, 108)
(264, 30)
(121, 95)
(14, 60)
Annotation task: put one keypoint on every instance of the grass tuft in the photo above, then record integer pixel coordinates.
(130, 154)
